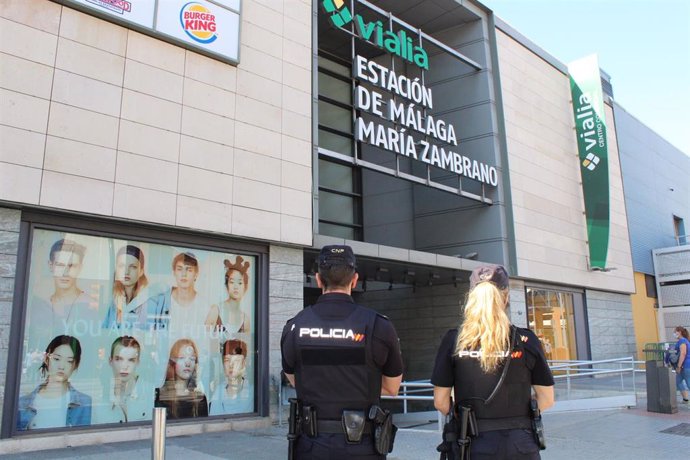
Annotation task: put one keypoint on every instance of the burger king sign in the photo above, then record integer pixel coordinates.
(198, 22)
(202, 24)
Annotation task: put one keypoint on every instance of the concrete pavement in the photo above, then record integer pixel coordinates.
(593, 435)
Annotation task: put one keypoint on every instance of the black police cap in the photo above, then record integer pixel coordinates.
(336, 255)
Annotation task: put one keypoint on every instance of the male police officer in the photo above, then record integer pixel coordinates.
(342, 357)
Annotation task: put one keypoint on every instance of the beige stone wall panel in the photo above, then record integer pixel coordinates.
(90, 62)
(548, 206)
(26, 42)
(26, 77)
(142, 129)
(92, 31)
(80, 159)
(21, 147)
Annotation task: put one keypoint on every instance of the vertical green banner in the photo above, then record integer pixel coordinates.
(590, 126)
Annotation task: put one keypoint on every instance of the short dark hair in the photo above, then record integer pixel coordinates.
(336, 276)
(67, 246)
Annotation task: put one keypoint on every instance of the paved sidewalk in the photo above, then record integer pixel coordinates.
(611, 434)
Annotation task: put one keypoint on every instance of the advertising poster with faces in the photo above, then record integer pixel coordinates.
(116, 327)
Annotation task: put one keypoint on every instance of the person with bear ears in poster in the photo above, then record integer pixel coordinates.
(228, 318)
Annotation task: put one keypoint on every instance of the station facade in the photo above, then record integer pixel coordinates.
(150, 162)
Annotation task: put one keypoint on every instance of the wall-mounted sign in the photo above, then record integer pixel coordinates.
(590, 127)
(406, 129)
(212, 27)
(201, 23)
(139, 12)
(398, 43)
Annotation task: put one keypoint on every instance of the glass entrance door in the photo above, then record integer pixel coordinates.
(551, 316)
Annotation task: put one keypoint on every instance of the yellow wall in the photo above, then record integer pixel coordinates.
(644, 315)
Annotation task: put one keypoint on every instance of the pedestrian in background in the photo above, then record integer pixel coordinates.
(683, 366)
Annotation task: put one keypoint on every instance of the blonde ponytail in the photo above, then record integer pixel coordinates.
(486, 326)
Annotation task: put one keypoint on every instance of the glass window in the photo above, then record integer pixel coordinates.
(336, 208)
(335, 176)
(679, 230)
(334, 67)
(114, 327)
(335, 89)
(335, 142)
(335, 117)
(551, 317)
(650, 285)
(338, 231)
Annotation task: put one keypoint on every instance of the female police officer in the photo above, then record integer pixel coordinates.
(471, 359)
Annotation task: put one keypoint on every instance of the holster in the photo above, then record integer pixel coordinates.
(537, 424)
(353, 425)
(309, 421)
(294, 425)
(384, 430)
(458, 433)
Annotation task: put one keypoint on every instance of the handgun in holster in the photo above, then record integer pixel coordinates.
(384, 430)
(537, 424)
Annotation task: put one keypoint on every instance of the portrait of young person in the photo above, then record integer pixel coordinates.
(115, 326)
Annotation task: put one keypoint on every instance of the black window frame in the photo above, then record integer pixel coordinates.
(119, 228)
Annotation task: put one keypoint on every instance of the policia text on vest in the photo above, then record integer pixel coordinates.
(340, 357)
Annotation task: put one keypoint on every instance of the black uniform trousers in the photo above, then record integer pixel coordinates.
(515, 444)
(328, 446)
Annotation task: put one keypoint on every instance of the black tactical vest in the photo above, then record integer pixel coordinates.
(473, 386)
(334, 368)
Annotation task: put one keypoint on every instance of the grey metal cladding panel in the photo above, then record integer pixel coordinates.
(388, 208)
(675, 317)
(444, 66)
(650, 167)
(398, 235)
(458, 92)
(675, 295)
(475, 224)
(648, 229)
(374, 183)
(472, 122)
(675, 263)
(429, 200)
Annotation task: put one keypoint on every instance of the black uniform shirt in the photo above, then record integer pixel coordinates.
(533, 356)
(386, 346)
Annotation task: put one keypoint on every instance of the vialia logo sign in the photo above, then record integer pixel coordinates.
(373, 32)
